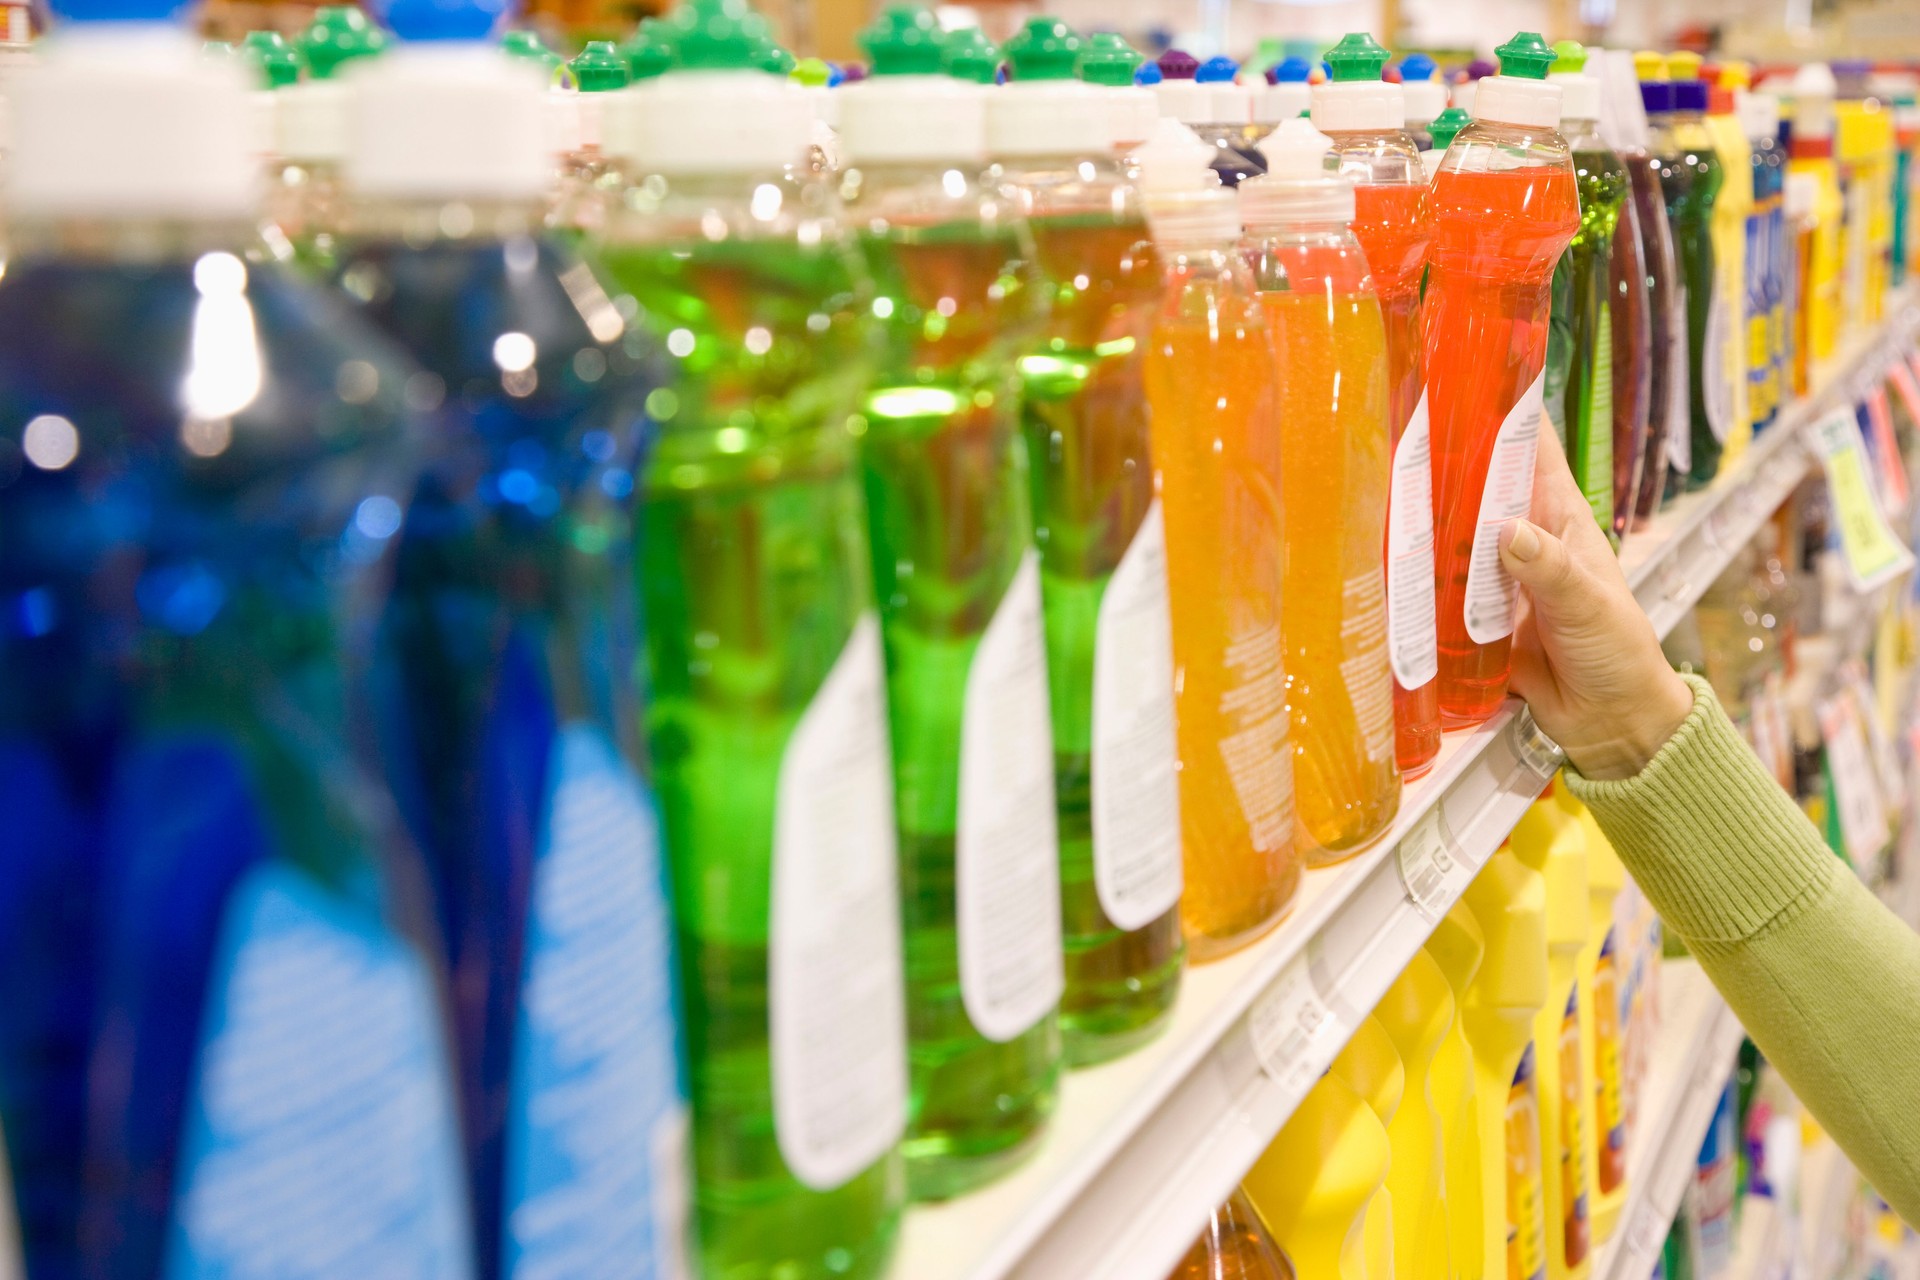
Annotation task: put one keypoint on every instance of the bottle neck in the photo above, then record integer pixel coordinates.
(136, 240)
(420, 223)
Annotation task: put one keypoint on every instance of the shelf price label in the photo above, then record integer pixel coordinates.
(1286, 1022)
(1431, 865)
(1873, 554)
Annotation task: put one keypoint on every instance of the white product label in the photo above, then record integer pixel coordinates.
(320, 1140)
(1284, 1023)
(1136, 785)
(595, 1079)
(1433, 867)
(1491, 592)
(1257, 757)
(1413, 643)
(1718, 393)
(835, 974)
(1365, 671)
(1007, 852)
(1679, 392)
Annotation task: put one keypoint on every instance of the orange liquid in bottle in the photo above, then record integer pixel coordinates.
(1329, 348)
(1497, 237)
(1394, 227)
(1234, 1245)
(1216, 453)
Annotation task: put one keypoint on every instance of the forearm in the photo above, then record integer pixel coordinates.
(1825, 979)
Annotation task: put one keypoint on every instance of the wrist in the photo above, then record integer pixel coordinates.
(1645, 727)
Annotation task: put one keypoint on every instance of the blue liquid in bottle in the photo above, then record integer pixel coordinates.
(221, 1047)
(508, 704)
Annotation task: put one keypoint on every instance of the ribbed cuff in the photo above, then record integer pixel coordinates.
(1719, 848)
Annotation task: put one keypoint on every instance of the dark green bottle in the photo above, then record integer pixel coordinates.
(1690, 175)
(958, 583)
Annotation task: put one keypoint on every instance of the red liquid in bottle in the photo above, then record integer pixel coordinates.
(1394, 227)
(1497, 236)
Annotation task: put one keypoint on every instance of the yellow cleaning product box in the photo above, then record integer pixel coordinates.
(1810, 151)
(1313, 1183)
(1458, 948)
(1418, 1013)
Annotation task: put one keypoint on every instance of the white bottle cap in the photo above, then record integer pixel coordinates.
(1048, 118)
(445, 121)
(1759, 115)
(1184, 199)
(1425, 100)
(1298, 186)
(1231, 103)
(890, 118)
(1462, 95)
(1814, 90)
(565, 122)
(1131, 114)
(825, 103)
(1580, 94)
(1187, 101)
(131, 120)
(1802, 194)
(311, 121)
(1623, 115)
(1347, 106)
(1277, 103)
(1516, 100)
(712, 122)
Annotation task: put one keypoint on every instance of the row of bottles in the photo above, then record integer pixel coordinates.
(1475, 1124)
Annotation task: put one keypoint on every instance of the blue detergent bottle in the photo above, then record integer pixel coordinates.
(222, 1050)
(508, 706)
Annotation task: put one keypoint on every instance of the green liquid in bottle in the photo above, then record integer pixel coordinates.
(1690, 177)
(1084, 411)
(955, 573)
(759, 619)
(1580, 342)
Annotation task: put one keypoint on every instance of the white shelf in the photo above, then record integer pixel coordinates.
(1141, 1150)
(1693, 1056)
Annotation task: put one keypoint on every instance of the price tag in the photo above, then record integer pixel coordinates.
(1885, 451)
(1872, 553)
(1432, 867)
(1285, 1023)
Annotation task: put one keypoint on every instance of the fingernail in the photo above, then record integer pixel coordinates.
(1525, 542)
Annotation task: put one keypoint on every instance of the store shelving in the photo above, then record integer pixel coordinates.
(1141, 1150)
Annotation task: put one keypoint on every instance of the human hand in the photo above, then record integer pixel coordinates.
(1585, 657)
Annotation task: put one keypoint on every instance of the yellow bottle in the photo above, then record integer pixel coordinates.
(1418, 1013)
(1550, 841)
(1458, 947)
(1811, 152)
(1601, 1027)
(1509, 899)
(1313, 1183)
(1731, 208)
(1370, 1063)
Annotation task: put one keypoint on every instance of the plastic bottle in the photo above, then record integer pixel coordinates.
(1363, 115)
(1234, 1245)
(599, 69)
(1102, 542)
(1459, 948)
(1863, 149)
(949, 503)
(1579, 384)
(1213, 107)
(1810, 151)
(767, 712)
(1285, 95)
(1623, 126)
(510, 733)
(222, 1007)
(1801, 195)
(1732, 212)
(1444, 129)
(1418, 1013)
(1905, 243)
(1549, 840)
(1371, 1066)
(1603, 1112)
(1108, 62)
(1324, 325)
(1216, 456)
(1669, 442)
(1692, 175)
(1509, 901)
(1313, 1183)
(1424, 95)
(1505, 204)
(1759, 115)
(305, 200)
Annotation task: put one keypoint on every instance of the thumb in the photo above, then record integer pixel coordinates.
(1539, 562)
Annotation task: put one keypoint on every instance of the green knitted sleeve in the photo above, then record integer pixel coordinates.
(1824, 977)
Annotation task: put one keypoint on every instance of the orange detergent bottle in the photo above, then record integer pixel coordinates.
(1234, 1245)
(1505, 205)
(1365, 117)
(1216, 456)
(1329, 362)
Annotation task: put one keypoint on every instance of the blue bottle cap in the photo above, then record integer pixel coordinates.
(444, 20)
(1216, 70)
(167, 11)
(1417, 66)
(1147, 73)
(1291, 70)
(1656, 96)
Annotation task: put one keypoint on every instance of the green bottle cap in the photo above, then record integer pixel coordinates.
(1570, 57)
(527, 46)
(1108, 59)
(339, 33)
(968, 55)
(1358, 56)
(600, 67)
(1525, 57)
(904, 40)
(811, 72)
(715, 35)
(1044, 49)
(1446, 126)
(648, 51)
(771, 58)
(276, 60)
